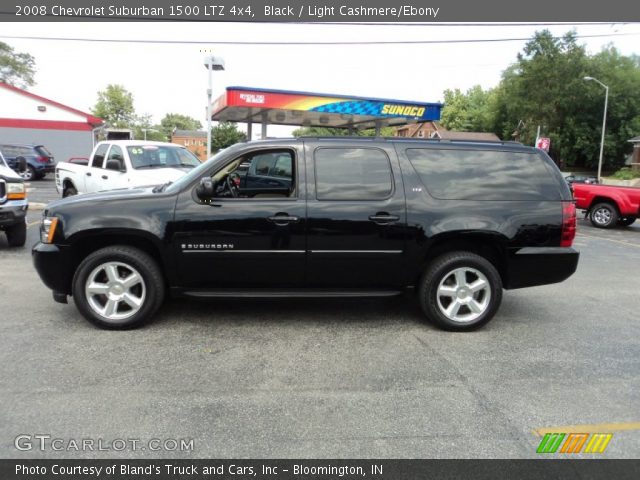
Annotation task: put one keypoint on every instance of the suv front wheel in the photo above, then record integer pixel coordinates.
(118, 287)
(460, 291)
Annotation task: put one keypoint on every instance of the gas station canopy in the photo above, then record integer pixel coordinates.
(281, 107)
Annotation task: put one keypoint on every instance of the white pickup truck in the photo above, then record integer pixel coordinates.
(124, 164)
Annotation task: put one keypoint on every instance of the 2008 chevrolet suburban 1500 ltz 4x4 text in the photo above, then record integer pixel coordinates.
(457, 221)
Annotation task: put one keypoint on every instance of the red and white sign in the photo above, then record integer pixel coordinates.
(543, 143)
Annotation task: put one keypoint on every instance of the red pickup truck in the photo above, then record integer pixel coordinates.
(608, 205)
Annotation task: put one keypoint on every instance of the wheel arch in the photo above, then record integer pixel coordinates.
(489, 245)
(604, 199)
(83, 245)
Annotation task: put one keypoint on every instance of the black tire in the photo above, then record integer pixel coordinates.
(69, 191)
(150, 289)
(603, 215)
(29, 174)
(443, 271)
(626, 221)
(17, 235)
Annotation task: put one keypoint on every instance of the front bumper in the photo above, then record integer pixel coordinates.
(54, 265)
(13, 212)
(532, 266)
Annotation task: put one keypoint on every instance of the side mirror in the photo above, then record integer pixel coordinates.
(205, 190)
(113, 164)
(21, 164)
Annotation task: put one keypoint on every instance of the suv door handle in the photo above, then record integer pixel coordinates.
(383, 218)
(88, 174)
(283, 219)
(105, 177)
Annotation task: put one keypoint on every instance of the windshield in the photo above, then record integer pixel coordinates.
(201, 170)
(161, 156)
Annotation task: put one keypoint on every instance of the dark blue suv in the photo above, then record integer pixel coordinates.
(39, 160)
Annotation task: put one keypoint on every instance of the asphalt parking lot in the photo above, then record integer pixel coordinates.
(330, 378)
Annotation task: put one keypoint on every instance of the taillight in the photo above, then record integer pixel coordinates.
(568, 224)
(43, 159)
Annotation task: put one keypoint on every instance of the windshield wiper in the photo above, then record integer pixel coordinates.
(151, 165)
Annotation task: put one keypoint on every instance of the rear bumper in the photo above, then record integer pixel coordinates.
(54, 265)
(532, 266)
(44, 167)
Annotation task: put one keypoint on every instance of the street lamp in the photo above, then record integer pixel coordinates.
(604, 120)
(211, 62)
(145, 130)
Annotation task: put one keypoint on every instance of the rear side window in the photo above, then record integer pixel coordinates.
(352, 174)
(98, 157)
(10, 150)
(43, 151)
(483, 174)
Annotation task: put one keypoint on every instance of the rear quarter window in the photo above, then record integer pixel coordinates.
(483, 174)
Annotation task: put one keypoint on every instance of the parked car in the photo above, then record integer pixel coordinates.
(608, 205)
(13, 205)
(454, 221)
(39, 160)
(124, 164)
(581, 179)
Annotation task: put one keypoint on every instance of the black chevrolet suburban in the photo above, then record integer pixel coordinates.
(456, 222)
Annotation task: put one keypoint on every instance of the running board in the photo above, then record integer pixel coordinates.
(284, 293)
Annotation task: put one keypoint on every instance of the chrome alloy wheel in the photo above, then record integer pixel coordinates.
(115, 291)
(602, 216)
(463, 295)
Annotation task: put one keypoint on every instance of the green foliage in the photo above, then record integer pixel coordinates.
(143, 126)
(17, 69)
(626, 173)
(468, 112)
(177, 121)
(115, 107)
(546, 88)
(224, 135)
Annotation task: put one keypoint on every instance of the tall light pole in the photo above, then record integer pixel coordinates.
(211, 62)
(145, 130)
(604, 121)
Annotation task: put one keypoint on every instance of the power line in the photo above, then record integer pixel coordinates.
(257, 43)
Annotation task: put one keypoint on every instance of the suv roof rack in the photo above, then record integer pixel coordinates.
(413, 139)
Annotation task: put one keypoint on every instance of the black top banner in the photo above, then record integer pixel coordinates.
(320, 11)
(318, 469)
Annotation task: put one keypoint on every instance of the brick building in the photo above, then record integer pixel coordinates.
(194, 140)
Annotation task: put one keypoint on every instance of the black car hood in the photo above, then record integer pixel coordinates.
(97, 197)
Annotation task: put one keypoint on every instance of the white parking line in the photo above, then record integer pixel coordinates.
(609, 240)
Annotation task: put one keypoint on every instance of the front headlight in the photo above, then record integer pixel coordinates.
(16, 191)
(48, 229)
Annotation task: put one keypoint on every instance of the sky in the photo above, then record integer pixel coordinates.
(172, 78)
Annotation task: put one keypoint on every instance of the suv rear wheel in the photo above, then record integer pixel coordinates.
(603, 215)
(28, 174)
(118, 287)
(460, 291)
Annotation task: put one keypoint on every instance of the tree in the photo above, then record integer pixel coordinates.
(177, 121)
(468, 112)
(17, 69)
(115, 107)
(224, 135)
(144, 129)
